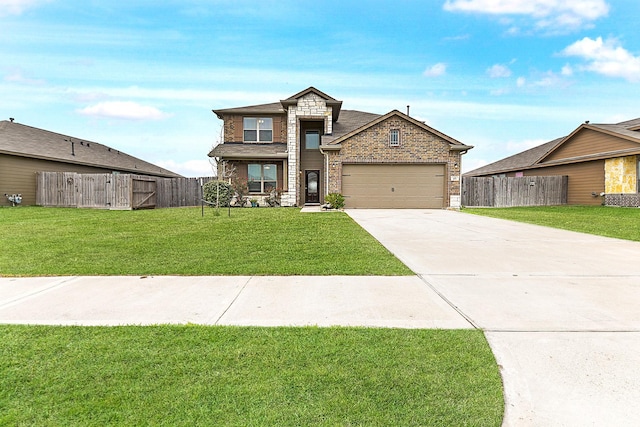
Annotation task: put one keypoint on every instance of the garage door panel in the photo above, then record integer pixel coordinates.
(393, 186)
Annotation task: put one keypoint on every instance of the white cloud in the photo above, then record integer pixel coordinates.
(17, 7)
(549, 15)
(123, 110)
(606, 57)
(436, 70)
(567, 70)
(548, 79)
(498, 70)
(18, 76)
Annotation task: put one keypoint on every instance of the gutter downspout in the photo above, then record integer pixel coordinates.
(326, 171)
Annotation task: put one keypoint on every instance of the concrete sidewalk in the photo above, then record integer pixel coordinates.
(402, 302)
(559, 309)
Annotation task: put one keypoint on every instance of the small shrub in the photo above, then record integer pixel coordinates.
(218, 193)
(334, 200)
(241, 192)
(273, 199)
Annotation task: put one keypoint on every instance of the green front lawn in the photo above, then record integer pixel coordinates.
(233, 376)
(621, 223)
(56, 241)
(214, 376)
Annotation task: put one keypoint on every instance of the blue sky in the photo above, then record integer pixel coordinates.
(142, 76)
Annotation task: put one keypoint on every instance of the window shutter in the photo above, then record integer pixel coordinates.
(238, 135)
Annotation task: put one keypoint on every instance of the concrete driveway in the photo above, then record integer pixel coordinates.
(561, 310)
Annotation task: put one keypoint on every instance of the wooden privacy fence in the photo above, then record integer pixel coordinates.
(116, 191)
(514, 191)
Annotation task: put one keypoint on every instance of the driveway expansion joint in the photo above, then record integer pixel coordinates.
(449, 302)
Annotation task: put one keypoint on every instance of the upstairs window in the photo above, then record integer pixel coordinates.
(311, 140)
(258, 129)
(394, 138)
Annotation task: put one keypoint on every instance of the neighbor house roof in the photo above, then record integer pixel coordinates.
(26, 141)
(535, 156)
(518, 161)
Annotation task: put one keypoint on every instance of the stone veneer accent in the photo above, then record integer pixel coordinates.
(620, 175)
(622, 200)
(310, 106)
(417, 145)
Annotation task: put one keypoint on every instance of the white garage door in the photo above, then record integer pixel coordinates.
(394, 186)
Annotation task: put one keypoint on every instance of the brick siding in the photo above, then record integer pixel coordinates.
(417, 145)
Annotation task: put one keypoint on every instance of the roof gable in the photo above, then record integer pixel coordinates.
(310, 89)
(26, 141)
(593, 141)
(395, 113)
(331, 102)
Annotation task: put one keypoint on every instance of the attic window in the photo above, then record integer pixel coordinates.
(394, 138)
(258, 129)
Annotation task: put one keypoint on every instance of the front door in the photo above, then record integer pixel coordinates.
(312, 186)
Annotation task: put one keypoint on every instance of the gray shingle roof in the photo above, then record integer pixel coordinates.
(633, 123)
(521, 160)
(619, 129)
(281, 107)
(26, 141)
(273, 108)
(250, 151)
(350, 120)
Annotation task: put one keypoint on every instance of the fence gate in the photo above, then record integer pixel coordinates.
(143, 192)
(94, 190)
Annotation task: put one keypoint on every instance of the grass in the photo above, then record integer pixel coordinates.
(621, 223)
(57, 241)
(195, 375)
(220, 375)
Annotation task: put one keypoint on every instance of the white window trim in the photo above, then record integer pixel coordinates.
(397, 141)
(258, 121)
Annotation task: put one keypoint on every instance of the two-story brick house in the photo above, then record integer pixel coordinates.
(307, 146)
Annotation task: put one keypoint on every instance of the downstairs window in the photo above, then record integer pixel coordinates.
(262, 178)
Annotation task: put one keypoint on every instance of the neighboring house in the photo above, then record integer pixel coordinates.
(25, 150)
(307, 146)
(601, 161)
